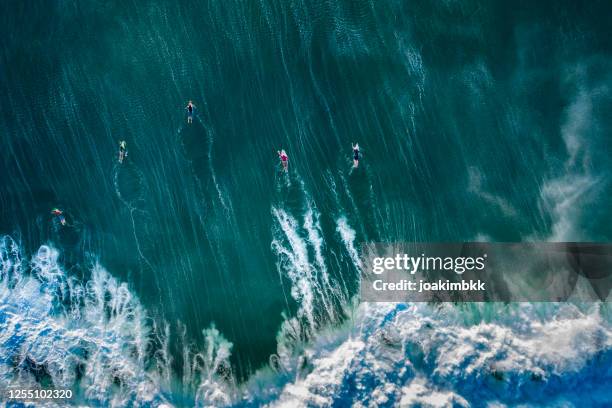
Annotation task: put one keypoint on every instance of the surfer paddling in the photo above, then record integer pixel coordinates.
(122, 151)
(190, 106)
(284, 159)
(59, 214)
(355, 154)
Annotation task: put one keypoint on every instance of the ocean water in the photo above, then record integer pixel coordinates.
(197, 272)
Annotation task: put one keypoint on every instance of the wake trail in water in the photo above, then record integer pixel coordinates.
(353, 203)
(213, 174)
(226, 204)
(132, 204)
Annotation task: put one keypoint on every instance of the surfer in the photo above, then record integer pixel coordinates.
(60, 215)
(122, 151)
(284, 159)
(355, 154)
(190, 106)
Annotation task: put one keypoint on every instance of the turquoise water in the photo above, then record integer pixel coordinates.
(476, 120)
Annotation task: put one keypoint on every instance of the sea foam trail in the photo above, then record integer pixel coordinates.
(314, 237)
(294, 260)
(311, 287)
(347, 235)
(213, 174)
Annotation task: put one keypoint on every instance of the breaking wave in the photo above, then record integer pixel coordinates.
(95, 338)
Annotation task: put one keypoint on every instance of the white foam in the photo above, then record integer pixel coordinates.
(434, 356)
(312, 226)
(215, 389)
(417, 393)
(387, 354)
(294, 261)
(319, 387)
(347, 234)
(53, 321)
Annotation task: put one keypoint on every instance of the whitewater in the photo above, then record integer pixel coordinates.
(95, 338)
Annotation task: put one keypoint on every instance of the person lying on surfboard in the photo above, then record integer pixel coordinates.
(60, 215)
(122, 151)
(284, 159)
(190, 106)
(355, 154)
